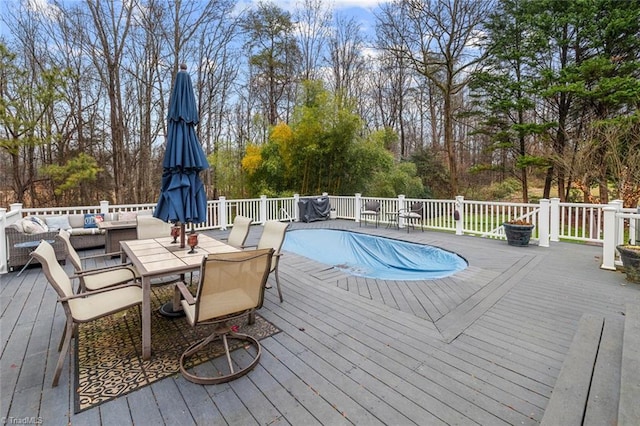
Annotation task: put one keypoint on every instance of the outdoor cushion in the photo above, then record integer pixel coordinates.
(30, 227)
(39, 222)
(85, 231)
(57, 222)
(76, 220)
(127, 216)
(91, 220)
(33, 225)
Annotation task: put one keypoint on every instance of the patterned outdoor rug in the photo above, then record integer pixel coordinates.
(107, 356)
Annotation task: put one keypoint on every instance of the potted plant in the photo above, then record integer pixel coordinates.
(630, 256)
(518, 232)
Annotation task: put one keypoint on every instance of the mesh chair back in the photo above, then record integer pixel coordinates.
(152, 227)
(240, 231)
(231, 283)
(372, 206)
(56, 276)
(72, 254)
(273, 237)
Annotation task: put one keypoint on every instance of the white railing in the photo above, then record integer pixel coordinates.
(621, 226)
(554, 221)
(485, 218)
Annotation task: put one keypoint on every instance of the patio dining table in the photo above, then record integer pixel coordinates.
(160, 257)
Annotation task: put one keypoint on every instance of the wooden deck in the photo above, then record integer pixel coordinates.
(484, 346)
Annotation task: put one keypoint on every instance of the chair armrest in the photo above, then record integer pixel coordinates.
(97, 271)
(184, 291)
(226, 239)
(102, 290)
(128, 265)
(96, 256)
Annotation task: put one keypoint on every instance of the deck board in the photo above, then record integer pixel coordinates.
(484, 346)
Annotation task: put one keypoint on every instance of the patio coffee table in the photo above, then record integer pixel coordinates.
(159, 257)
(116, 231)
(29, 244)
(392, 220)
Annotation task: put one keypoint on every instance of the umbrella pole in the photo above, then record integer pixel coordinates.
(181, 235)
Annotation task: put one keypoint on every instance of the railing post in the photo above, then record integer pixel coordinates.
(554, 220)
(459, 217)
(400, 207)
(544, 221)
(634, 229)
(358, 203)
(4, 251)
(296, 213)
(263, 209)
(619, 229)
(609, 243)
(222, 212)
(3, 242)
(104, 207)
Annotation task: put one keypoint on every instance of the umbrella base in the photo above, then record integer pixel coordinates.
(166, 310)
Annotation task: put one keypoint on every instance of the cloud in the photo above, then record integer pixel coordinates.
(365, 4)
(44, 8)
(290, 5)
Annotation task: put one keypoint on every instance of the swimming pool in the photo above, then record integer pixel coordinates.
(372, 256)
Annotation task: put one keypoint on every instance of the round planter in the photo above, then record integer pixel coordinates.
(517, 235)
(630, 256)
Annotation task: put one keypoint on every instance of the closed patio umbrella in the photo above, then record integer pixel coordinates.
(182, 196)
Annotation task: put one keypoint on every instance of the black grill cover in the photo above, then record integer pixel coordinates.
(312, 209)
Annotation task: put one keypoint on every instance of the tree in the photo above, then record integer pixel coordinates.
(432, 172)
(27, 96)
(218, 74)
(319, 151)
(312, 21)
(346, 60)
(146, 101)
(507, 90)
(439, 39)
(69, 177)
(109, 28)
(274, 58)
(617, 139)
(387, 178)
(602, 82)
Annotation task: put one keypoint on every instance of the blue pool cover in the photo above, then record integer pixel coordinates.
(373, 257)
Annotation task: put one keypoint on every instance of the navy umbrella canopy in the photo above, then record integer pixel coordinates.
(182, 196)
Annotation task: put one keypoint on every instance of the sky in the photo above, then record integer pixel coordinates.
(359, 9)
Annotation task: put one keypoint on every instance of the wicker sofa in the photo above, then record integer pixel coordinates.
(20, 245)
(22, 241)
(82, 235)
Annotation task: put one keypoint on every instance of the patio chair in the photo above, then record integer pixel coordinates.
(370, 209)
(413, 215)
(95, 278)
(152, 227)
(273, 237)
(231, 286)
(239, 232)
(82, 307)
